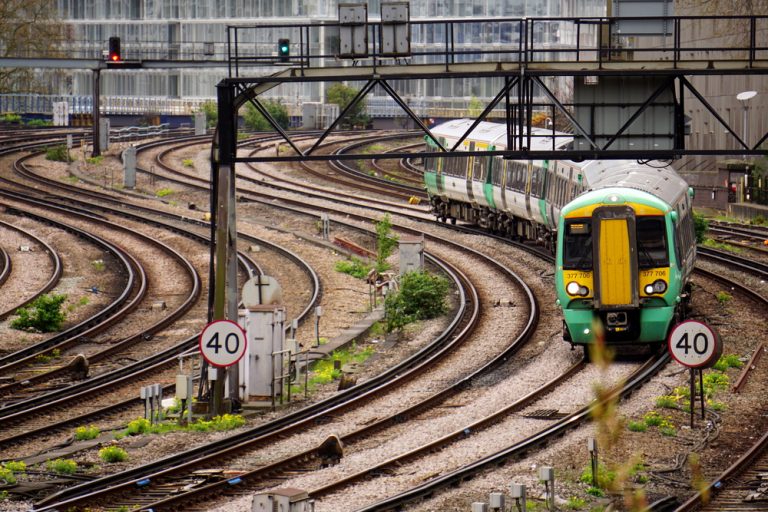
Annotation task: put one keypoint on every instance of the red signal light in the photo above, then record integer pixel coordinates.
(114, 49)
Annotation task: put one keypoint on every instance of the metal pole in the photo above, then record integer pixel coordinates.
(701, 392)
(95, 113)
(693, 393)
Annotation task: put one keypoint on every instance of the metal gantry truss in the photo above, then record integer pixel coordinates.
(523, 66)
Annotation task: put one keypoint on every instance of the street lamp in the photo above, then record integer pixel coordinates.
(744, 97)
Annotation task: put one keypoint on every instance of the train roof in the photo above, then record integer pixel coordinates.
(654, 177)
(496, 134)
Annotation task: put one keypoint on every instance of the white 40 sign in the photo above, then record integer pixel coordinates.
(222, 343)
(694, 344)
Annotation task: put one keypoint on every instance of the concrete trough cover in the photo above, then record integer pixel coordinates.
(545, 414)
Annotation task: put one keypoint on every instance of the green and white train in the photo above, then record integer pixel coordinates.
(622, 231)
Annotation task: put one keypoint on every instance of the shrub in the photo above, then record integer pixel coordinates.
(62, 466)
(111, 454)
(421, 297)
(700, 227)
(385, 243)
(86, 433)
(43, 315)
(58, 154)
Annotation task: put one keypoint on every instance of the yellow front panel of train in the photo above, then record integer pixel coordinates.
(615, 261)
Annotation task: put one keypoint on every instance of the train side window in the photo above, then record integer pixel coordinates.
(498, 168)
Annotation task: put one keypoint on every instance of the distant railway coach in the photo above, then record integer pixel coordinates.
(622, 230)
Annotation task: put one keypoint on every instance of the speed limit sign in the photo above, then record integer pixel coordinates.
(694, 344)
(222, 343)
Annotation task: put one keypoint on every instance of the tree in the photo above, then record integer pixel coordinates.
(211, 110)
(257, 122)
(28, 29)
(342, 95)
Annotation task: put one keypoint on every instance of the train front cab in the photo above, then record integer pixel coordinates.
(614, 268)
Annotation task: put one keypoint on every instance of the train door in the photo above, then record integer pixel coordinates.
(615, 257)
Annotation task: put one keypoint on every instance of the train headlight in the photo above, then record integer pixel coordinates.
(575, 288)
(658, 286)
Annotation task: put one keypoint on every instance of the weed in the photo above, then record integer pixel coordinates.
(62, 466)
(637, 426)
(354, 267)
(87, 432)
(728, 361)
(188, 162)
(4, 495)
(17, 466)
(138, 426)
(218, 423)
(575, 503)
(112, 454)
(596, 492)
(668, 430)
(667, 402)
(10, 117)
(98, 265)
(7, 476)
(164, 192)
(95, 160)
(39, 122)
(653, 419)
(723, 297)
(605, 477)
(714, 381)
(716, 406)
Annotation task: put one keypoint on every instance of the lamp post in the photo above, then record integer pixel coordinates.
(744, 98)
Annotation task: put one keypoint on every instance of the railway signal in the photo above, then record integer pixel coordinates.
(114, 54)
(284, 49)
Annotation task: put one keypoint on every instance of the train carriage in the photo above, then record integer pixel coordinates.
(623, 230)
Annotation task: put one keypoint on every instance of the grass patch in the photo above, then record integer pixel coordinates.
(714, 244)
(62, 466)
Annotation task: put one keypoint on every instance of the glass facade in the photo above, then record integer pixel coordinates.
(197, 30)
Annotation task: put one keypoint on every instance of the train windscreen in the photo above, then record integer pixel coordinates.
(577, 245)
(652, 248)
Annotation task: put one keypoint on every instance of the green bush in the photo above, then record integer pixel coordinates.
(700, 226)
(87, 432)
(58, 154)
(43, 315)
(62, 466)
(354, 267)
(113, 454)
(421, 297)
